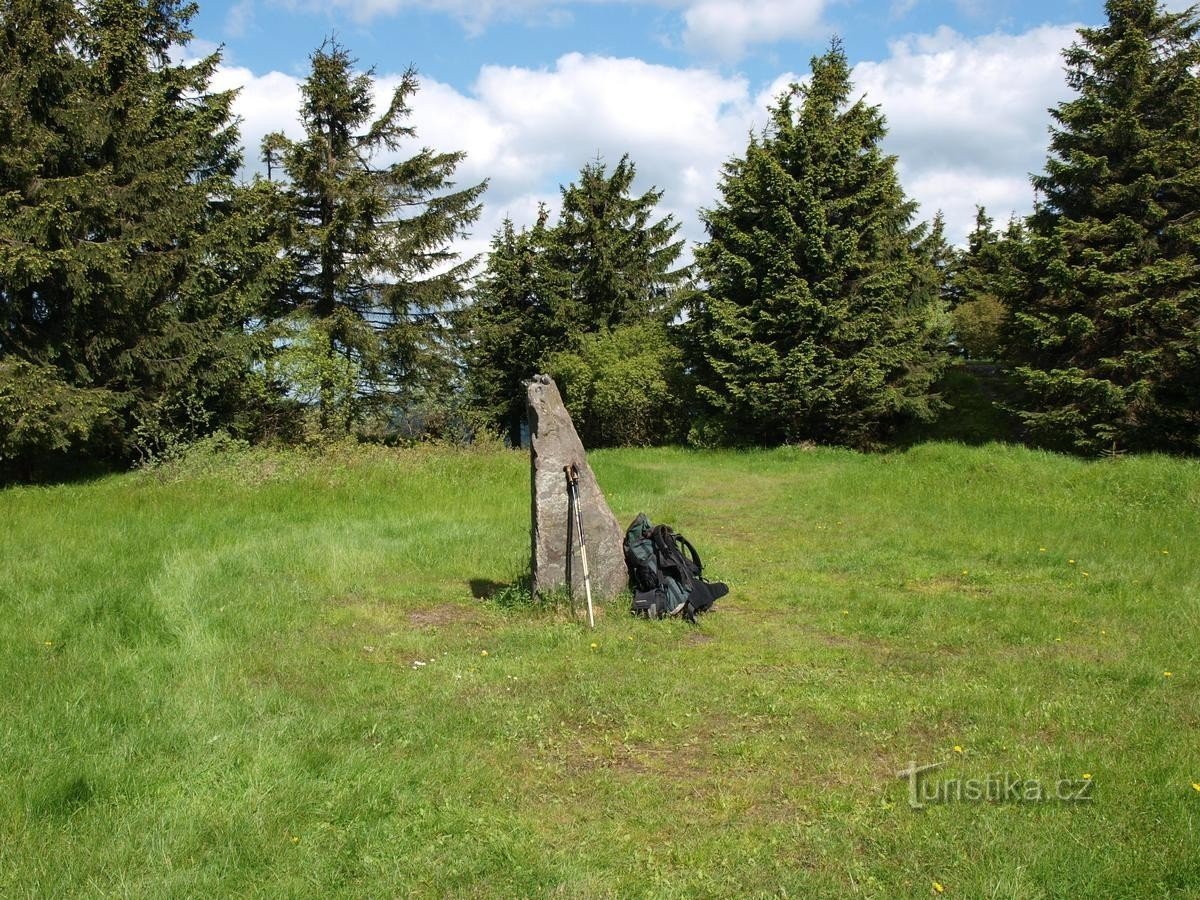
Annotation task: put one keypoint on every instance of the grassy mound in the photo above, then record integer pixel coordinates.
(270, 674)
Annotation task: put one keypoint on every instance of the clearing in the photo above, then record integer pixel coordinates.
(268, 674)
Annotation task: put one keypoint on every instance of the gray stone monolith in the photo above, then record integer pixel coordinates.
(554, 444)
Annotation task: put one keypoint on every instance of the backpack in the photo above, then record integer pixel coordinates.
(666, 582)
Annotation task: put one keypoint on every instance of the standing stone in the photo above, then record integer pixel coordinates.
(553, 445)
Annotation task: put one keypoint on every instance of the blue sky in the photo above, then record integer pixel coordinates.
(450, 40)
(532, 89)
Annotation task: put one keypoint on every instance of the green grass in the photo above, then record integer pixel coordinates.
(211, 688)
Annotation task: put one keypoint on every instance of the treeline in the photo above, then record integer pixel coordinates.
(149, 298)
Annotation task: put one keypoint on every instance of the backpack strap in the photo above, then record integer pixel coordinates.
(692, 550)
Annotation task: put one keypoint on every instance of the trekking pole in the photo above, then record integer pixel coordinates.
(573, 494)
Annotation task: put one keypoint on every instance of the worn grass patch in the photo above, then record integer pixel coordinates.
(285, 674)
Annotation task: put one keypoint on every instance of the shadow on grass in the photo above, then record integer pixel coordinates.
(61, 796)
(56, 469)
(518, 594)
(486, 588)
(515, 594)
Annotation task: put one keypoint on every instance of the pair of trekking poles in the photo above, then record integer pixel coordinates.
(572, 473)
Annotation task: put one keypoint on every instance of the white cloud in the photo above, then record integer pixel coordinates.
(265, 103)
(957, 193)
(968, 116)
(725, 28)
(530, 130)
(968, 119)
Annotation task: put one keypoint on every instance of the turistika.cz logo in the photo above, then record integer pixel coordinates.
(925, 791)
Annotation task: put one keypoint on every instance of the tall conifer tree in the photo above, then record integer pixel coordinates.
(121, 311)
(620, 261)
(1106, 321)
(982, 284)
(606, 263)
(516, 319)
(376, 274)
(822, 319)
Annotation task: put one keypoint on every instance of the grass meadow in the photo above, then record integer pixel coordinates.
(269, 674)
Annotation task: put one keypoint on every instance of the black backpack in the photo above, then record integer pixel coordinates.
(666, 582)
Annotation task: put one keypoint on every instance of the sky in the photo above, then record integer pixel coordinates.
(532, 90)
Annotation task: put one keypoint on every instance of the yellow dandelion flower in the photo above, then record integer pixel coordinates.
(964, 571)
(957, 749)
(483, 653)
(1102, 631)
(1166, 553)
(1058, 640)
(1041, 549)
(1070, 562)
(1087, 776)
(594, 645)
(295, 840)
(1166, 674)
(938, 889)
(1196, 785)
(1085, 574)
(49, 643)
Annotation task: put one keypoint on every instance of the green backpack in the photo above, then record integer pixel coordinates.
(665, 581)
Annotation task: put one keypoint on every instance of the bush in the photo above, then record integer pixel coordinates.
(978, 325)
(624, 387)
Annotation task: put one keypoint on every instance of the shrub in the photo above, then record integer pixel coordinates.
(624, 386)
(978, 325)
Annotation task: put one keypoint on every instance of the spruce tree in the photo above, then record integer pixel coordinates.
(1106, 319)
(620, 262)
(518, 316)
(984, 279)
(606, 263)
(822, 318)
(375, 273)
(120, 308)
(973, 276)
(943, 258)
